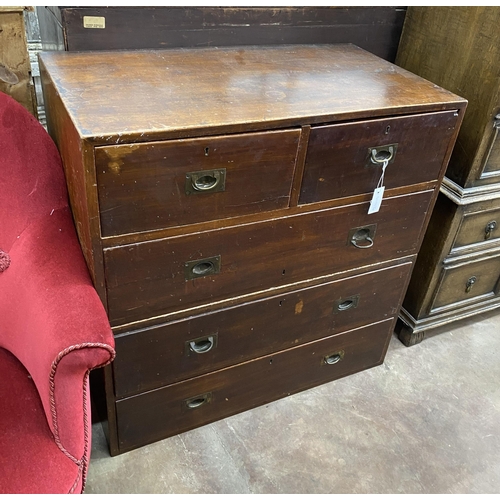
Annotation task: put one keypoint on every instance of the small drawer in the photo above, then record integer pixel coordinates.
(469, 282)
(157, 185)
(346, 159)
(165, 354)
(176, 408)
(149, 279)
(478, 227)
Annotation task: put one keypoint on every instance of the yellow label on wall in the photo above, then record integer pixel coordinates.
(94, 22)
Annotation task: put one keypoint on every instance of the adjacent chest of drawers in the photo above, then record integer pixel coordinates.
(457, 274)
(221, 199)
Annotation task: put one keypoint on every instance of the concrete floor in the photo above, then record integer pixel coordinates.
(426, 421)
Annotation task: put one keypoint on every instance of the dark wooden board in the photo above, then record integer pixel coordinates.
(376, 29)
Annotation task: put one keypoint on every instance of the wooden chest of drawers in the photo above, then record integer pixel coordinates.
(457, 273)
(221, 199)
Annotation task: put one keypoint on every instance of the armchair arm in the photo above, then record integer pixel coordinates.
(55, 324)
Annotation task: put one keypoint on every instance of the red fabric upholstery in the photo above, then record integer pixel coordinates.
(52, 320)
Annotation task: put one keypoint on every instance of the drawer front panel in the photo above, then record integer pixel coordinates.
(165, 412)
(472, 281)
(169, 353)
(163, 184)
(339, 164)
(150, 279)
(478, 228)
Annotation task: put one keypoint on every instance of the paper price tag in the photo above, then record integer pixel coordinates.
(378, 194)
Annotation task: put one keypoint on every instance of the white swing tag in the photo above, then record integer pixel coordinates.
(378, 193)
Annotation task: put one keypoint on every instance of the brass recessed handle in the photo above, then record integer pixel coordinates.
(202, 345)
(201, 268)
(346, 303)
(334, 358)
(380, 154)
(490, 227)
(198, 401)
(206, 181)
(362, 237)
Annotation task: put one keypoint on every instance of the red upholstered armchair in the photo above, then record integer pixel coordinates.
(53, 328)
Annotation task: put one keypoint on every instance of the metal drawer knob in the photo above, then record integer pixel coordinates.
(490, 227)
(470, 284)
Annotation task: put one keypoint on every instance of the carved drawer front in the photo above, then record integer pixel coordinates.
(478, 227)
(172, 183)
(346, 159)
(169, 353)
(162, 276)
(477, 280)
(200, 400)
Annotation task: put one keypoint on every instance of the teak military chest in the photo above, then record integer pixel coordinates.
(221, 197)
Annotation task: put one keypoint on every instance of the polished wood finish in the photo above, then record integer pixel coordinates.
(249, 331)
(148, 279)
(339, 161)
(241, 88)
(375, 29)
(462, 58)
(163, 412)
(267, 285)
(143, 186)
(15, 68)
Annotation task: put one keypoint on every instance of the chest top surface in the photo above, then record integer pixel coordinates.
(153, 94)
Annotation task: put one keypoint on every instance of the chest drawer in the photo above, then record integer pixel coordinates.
(156, 185)
(478, 227)
(198, 401)
(157, 277)
(472, 281)
(346, 159)
(166, 354)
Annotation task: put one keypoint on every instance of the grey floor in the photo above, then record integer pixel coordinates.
(426, 421)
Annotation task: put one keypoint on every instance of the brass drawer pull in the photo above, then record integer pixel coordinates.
(334, 358)
(470, 284)
(362, 237)
(380, 154)
(202, 345)
(206, 181)
(198, 401)
(346, 304)
(490, 227)
(201, 268)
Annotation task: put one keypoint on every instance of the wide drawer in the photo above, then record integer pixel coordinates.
(179, 407)
(478, 227)
(469, 282)
(339, 157)
(169, 353)
(156, 185)
(158, 277)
